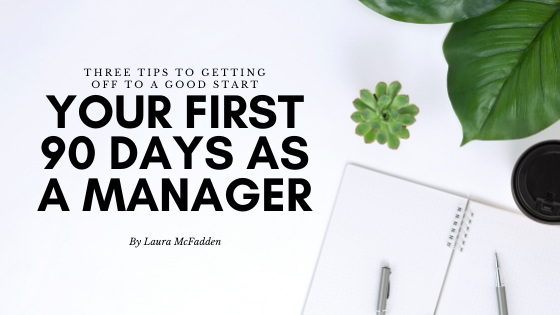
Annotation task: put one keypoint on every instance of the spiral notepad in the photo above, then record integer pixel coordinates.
(460, 228)
(439, 247)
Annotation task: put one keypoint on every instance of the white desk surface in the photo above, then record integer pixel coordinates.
(81, 263)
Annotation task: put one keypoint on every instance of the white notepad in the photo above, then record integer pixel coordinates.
(440, 251)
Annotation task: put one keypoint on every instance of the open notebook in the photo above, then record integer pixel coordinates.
(440, 248)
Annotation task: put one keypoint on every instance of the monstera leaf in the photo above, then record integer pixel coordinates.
(431, 11)
(504, 70)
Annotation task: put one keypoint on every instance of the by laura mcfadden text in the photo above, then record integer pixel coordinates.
(177, 241)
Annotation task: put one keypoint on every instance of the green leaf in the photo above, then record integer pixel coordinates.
(395, 127)
(393, 141)
(400, 101)
(382, 135)
(410, 109)
(406, 119)
(363, 128)
(393, 89)
(370, 136)
(431, 12)
(376, 124)
(357, 117)
(404, 133)
(368, 98)
(359, 104)
(383, 102)
(503, 79)
(368, 115)
(380, 89)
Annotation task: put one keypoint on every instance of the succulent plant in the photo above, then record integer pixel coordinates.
(384, 116)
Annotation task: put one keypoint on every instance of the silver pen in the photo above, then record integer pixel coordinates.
(501, 291)
(383, 291)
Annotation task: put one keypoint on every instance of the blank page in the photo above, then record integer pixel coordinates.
(378, 221)
(529, 265)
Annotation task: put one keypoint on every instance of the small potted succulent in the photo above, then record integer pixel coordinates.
(384, 115)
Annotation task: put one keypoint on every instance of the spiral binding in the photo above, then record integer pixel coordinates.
(460, 229)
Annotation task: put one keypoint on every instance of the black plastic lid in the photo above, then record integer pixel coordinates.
(535, 182)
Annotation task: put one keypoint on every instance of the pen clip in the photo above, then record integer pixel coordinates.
(384, 288)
